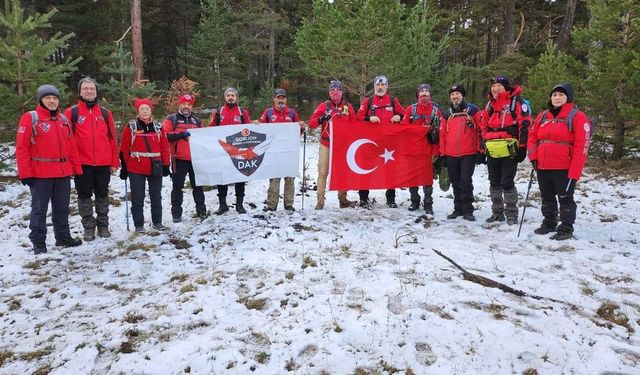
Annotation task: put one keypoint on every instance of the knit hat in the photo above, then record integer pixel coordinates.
(140, 102)
(423, 86)
(381, 79)
(564, 88)
(46, 90)
(335, 84)
(280, 92)
(231, 89)
(187, 98)
(457, 88)
(504, 81)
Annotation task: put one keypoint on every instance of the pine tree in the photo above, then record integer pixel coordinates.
(26, 59)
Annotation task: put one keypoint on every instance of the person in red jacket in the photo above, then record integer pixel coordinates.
(558, 145)
(380, 108)
(230, 114)
(280, 113)
(177, 126)
(95, 135)
(144, 155)
(425, 113)
(336, 107)
(461, 149)
(47, 158)
(505, 125)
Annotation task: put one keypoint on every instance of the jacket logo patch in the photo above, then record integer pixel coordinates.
(45, 126)
(22, 129)
(587, 127)
(246, 150)
(81, 119)
(236, 118)
(524, 107)
(274, 118)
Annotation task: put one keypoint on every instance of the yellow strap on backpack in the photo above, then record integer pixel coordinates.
(501, 148)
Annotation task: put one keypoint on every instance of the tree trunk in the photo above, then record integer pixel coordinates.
(618, 139)
(136, 39)
(567, 24)
(508, 40)
(272, 57)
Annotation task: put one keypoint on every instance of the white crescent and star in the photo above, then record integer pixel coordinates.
(353, 149)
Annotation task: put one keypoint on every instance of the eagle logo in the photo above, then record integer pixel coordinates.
(246, 149)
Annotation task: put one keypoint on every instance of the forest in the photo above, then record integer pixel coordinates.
(137, 48)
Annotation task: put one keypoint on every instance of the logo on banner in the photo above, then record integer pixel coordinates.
(387, 155)
(246, 149)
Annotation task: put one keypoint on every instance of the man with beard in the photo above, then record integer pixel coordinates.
(230, 114)
(47, 157)
(380, 108)
(94, 133)
(177, 126)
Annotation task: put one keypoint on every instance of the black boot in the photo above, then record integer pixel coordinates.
(454, 214)
(544, 229)
(68, 242)
(414, 206)
(39, 248)
(562, 235)
(223, 207)
(239, 206)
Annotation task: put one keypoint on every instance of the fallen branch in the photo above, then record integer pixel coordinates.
(486, 282)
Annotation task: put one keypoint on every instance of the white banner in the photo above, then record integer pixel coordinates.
(236, 153)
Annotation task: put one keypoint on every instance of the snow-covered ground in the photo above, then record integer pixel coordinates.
(339, 291)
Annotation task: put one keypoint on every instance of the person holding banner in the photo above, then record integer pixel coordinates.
(144, 155)
(230, 114)
(177, 126)
(280, 113)
(380, 108)
(335, 107)
(425, 113)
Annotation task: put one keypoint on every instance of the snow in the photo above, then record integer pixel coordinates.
(325, 292)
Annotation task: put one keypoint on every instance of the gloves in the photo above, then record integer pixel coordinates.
(27, 181)
(185, 134)
(165, 171)
(324, 118)
(522, 154)
(123, 172)
(481, 158)
(534, 164)
(512, 131)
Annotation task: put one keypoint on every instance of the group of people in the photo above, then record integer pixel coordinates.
(52, 146)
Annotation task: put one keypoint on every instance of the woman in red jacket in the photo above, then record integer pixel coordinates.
(144, 154)
(558, 145)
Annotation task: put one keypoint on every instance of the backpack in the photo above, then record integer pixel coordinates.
(570, 117)
(34, 122)
(134, 128)
(270, 113)
(174, 120)
(105, 116)
(512, 106)
(434, 133)
(370, 102)
(218, 115)
(327, 108)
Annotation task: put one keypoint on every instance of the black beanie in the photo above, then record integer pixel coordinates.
(457, 88)
(46, 90)
(564, 88)
(504, 81)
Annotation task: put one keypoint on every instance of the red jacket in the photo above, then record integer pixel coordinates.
(460, 133)
(381, 107)
(229, 116)
(179, 146)
(286, 115)
(157, 144)
(501, 123)
(554, 146)
(423, 117)
(50, 151)
(335, 111)
(91, 132)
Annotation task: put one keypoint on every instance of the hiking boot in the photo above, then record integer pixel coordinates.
(289, 208)
(469, 217)
(364, 203)
(562, 235)
(455, 214)
(239, 206)
(104, 232)
(69, 242)
(177, 219)
(345, 203)
(391, 203)
(39, 248)
(414, 206)
(271, 209)
(222, 209)
(139, 229)
(512, 220)
(544, 229)
(89, 234)
(496, 217)
(202, 215)
(428, 210)
(159, 226)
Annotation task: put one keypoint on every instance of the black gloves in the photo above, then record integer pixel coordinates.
(184, 134)
(123, 172)
(522, 154)
(481, 158)
(165, 171)
(27, 181)
(324, 118)
(512, 130)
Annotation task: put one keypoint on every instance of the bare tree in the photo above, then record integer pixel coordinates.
(567, 24)
(136, 39)
(508, 40)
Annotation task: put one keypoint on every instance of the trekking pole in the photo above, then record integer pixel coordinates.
(304, 165)
(524, 209)
(126, 203)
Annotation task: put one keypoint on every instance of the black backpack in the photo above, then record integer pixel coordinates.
(370, 103)
(570, 117)
(270, 113)
(105, 116)
(217, 123)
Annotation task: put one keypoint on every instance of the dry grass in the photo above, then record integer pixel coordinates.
(5, 356)
(30, 356)
(609, 311)
(629, 168)
(253, 303)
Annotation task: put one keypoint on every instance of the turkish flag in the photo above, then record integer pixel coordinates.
(378, 156)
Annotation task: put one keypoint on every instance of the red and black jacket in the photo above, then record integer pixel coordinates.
(95, 135)
(175, 124)
(342, 110)
(424, 115)
(506, 116)
(384, 107)
(460, 132)
(226, 115)
(134, 148)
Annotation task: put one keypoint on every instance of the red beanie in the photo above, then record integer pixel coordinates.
(186, 98)
(140, 102)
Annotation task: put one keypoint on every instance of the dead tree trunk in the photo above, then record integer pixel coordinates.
(508, 40)
(136, 39)
(567, 24)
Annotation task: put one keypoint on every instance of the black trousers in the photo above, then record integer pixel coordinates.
(461, 176)
(223, 189)
(390, 194)
(182, 168)
(138, 182)
(94, 180)
(502, 172)
(58, 191)
(554, 183)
